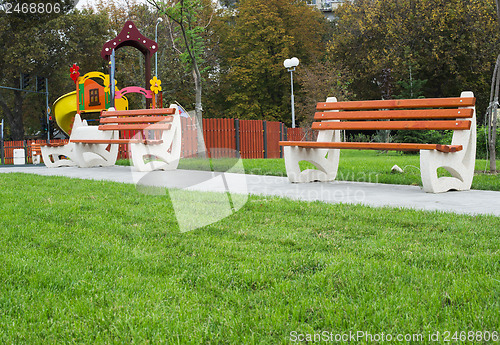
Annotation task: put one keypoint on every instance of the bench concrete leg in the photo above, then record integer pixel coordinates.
(92, 155)
(459, 164)
(163, 156)
(52, 155)
(326, 160)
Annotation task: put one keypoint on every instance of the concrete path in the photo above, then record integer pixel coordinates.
(373, 194)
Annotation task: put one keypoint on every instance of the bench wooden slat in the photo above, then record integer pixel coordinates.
(399, 103)
(395, 114)
(373, 146)
(52, 144)
(135, 127)
(393, 125)
(160, 111)
(137, 119)
(118, 141)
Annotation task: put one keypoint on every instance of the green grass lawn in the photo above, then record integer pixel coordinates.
(362, 166)
(97, 262)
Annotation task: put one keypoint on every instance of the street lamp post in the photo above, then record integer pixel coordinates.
(290, 65)
(158, 21)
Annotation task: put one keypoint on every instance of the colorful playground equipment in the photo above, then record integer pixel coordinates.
(89, 97)
(156, 138)
(93, 97)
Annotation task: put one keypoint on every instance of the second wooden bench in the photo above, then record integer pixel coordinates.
(458, 158)
(155, 145)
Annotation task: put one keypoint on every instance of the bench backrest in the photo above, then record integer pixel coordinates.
(402, 114)
(456, 113)
(141, 119)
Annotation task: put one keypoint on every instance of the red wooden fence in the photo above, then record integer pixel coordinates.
(223, 138)
(10, 146)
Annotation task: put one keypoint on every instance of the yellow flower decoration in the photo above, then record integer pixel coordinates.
(155, 85)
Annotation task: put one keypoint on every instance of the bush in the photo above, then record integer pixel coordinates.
(482, 143)
(358, 137)
(420, 137)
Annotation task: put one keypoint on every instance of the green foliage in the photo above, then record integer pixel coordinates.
(254, 46)
(45, 45)
(450, 43)
(359, 138)
(185, 13)
(420, 137)
(482, 142)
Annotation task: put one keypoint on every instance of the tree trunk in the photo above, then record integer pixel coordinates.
(493, 139)
(198, 110)
(492, 116)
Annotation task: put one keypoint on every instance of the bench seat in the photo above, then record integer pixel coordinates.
(373, 146)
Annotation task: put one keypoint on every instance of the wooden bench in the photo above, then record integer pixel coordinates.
(155, 145)
(458, 158)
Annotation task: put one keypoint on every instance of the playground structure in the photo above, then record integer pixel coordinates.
(98, 145)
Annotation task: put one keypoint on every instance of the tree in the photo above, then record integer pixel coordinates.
(447, 42)
(318, 81)
(492, 113)
(42, 45)
(255, 43)
(187, 14)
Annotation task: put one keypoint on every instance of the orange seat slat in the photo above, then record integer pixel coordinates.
(136, 112)
(117, 141)
(52, 144)
(137, 119)
(136, 127)
(373, 146)
(393, 125)
(399, 103)
(395, 114)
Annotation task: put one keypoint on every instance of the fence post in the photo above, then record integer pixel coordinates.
(25, 144)
(281, 138)
(237, 136)
(3, 152)
(264, 134)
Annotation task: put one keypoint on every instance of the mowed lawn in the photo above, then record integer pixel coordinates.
(98, 262)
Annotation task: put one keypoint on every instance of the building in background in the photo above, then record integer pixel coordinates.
(326, 6)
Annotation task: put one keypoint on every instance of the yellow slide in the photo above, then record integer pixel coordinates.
(64, 110)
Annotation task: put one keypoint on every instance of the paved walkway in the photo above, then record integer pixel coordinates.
(373, 194)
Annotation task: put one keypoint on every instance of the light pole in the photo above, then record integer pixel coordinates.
(158, 21)
(290, 65)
